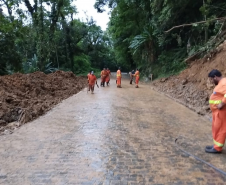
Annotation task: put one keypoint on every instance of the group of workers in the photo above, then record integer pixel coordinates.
(92, 79)
(136, 75)
(217, 102)
(105, 78)
(132, 74)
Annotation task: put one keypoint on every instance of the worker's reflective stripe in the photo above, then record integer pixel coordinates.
(225, 95)
(218, 144)
(214, 101)
(138, 75)
(118, 75)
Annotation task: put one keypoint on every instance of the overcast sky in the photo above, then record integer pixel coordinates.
(87, 5)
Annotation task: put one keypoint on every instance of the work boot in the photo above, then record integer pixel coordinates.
(212, 150)
(209, 147)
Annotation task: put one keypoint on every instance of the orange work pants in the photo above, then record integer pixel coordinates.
(219, 128)
(118, 81)
(91, 87)
(137, 80)
(107, 79)
(103, 79)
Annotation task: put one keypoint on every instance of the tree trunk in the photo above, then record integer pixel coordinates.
(206, 28)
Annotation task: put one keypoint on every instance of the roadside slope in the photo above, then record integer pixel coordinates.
(191, 87)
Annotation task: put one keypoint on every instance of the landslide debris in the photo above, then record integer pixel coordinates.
(24, 97)
(192, 87)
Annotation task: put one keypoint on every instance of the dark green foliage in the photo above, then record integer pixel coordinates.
(48, 40)
(137, 29)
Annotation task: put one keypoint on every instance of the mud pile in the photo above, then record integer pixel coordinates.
(24, 97)
(192, 87)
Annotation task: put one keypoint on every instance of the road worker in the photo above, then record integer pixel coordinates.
(131, 76)
(103, 76)
(119, 78)
(217, 103)
(92, 81)
(108, 76)
(137, 77)
(88, 79)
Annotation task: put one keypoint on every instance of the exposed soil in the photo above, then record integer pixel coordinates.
(192, 87)
(24, 97)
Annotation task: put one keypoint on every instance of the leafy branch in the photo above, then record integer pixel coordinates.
(192, 24)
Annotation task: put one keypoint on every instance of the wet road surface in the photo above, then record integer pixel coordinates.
(113, 137)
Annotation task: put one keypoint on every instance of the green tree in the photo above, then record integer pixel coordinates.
(137, 29)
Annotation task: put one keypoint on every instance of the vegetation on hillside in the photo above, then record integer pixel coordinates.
(140, 36)
(141, 33)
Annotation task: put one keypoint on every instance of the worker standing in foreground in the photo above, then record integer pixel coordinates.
(137, 76)
(218, 107)
(119, 78)
(88, 79)
(92, 81)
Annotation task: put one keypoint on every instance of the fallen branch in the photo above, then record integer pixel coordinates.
(193, 56)
(201, 22)
(213, 42)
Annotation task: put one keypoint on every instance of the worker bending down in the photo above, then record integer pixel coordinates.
(217, 103)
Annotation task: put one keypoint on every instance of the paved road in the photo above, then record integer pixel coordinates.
(116, 136)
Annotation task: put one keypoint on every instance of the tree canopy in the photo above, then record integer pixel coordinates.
(47, 37)
(157, 36)
(138, 29)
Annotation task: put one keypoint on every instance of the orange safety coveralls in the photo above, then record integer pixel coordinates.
(119, 77)
(103, 76)
(108, 76)
(137, 75)
(219, 116)
(92, 80)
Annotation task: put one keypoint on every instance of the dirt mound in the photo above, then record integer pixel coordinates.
(192, 87)
(24, 97)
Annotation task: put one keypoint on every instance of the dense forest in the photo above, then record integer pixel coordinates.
(142, 37)
(141, 33)
(46, 37)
